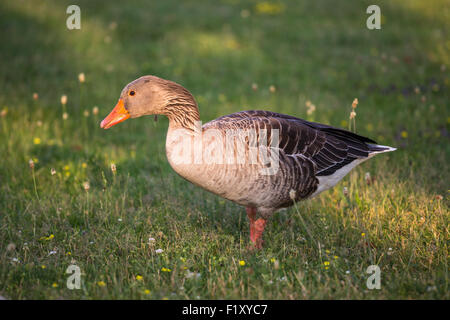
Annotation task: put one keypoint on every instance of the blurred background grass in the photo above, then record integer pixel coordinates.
(232, 55)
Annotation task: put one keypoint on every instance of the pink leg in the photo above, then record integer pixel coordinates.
(256, 227)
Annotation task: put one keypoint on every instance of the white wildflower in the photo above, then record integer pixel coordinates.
(292, 194)
(81, 77)
(190, 274)
(345, 190)
(368, 178)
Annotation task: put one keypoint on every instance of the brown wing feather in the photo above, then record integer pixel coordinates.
(327, 147)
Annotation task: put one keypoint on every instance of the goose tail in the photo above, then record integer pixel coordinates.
(377, 148)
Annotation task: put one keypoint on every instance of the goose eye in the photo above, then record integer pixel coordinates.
(132, 93)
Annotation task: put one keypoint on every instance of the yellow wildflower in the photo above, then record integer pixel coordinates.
(101, 283)
(37, 140)
(242, 263)
(54, 285)
(327, 263)
(50, 237)
(267, 7)
(139, 278)
(146, 291)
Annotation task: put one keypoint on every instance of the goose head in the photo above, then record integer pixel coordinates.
(150, 95)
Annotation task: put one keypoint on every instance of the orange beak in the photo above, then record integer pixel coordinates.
(118, 114)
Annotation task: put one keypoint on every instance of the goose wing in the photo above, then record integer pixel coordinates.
(327, 147)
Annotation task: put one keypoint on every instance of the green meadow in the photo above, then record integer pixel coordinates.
(108, 202)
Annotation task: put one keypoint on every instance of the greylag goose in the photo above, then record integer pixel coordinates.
(262, 160)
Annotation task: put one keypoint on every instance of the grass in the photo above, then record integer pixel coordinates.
(319, 52)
